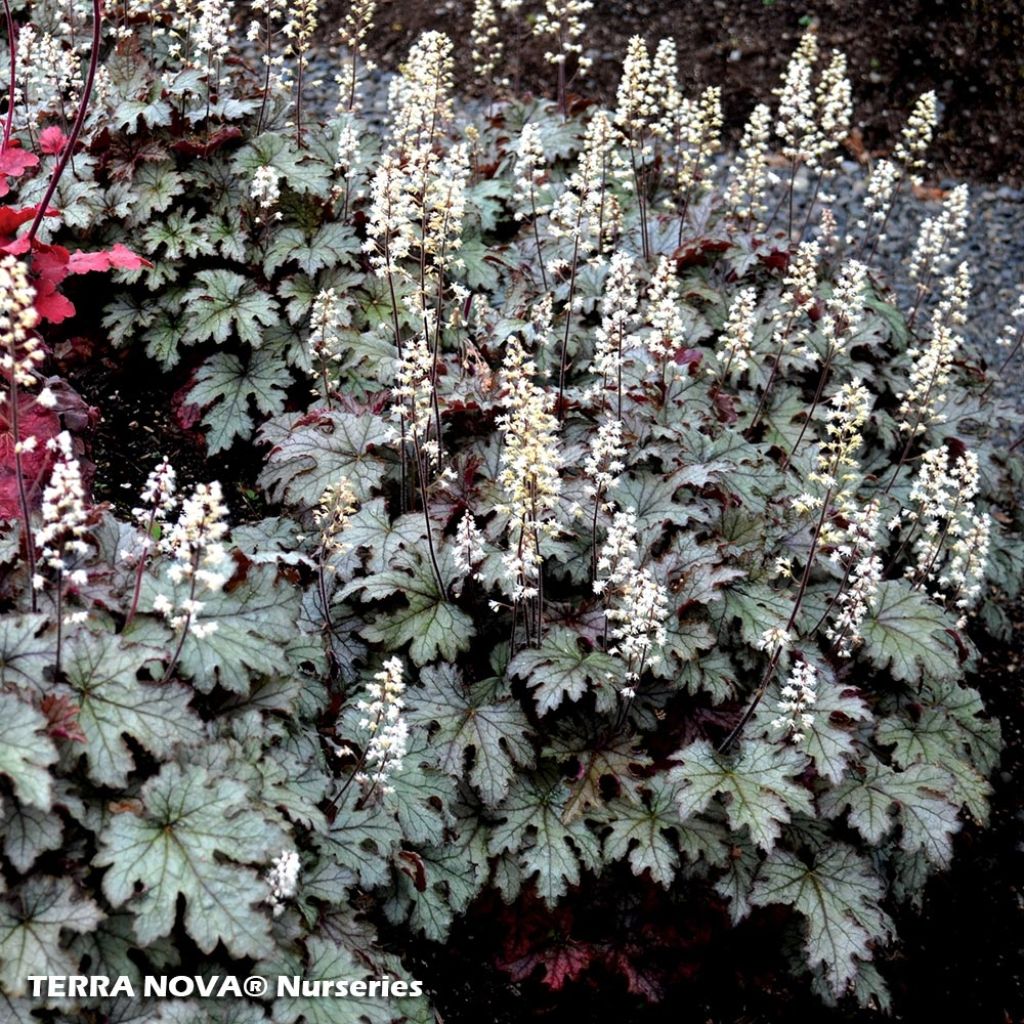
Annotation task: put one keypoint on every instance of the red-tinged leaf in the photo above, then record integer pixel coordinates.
(536, 937)
(75, 413)
(639, 981)
(12, 219)
(50, 263)
(470, 468)
(955, 449)
(18, 247)
(777, 259)
(123, 258)
(463, 405)
(52, 141)
(695, 253)
(725, 406)
(62, 714)
(577, 104)
(690, 357)
(561, 963)
(962, 652)
(412, 866)
(928, 195)
(193, 147)
(118, 256)
(14, 162)
(85, 262)
(33, 421)
(186, 414)
(375, 403)
(51, 306)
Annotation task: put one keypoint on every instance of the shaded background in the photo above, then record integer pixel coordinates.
(969, 52)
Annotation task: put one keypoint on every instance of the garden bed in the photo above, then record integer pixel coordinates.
(550, 549)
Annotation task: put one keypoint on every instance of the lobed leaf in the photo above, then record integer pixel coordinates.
(470, 726)
(838, 896)
(757, 785)
(172, 847)
(26, 751)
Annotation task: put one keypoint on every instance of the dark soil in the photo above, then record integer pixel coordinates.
(967, 51)
(138, 415)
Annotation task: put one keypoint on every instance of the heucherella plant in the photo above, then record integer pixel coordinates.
(561, 25)
(947, 527)
(533, 508)
(634, 601)
(939, 240)
(530, 175)
(331, 518)
(326, 322)
(791, 319)
(20, 355)
(352, 34)
(298, 30)
(60, 537)
(1013, 333)
(158, 498)
(282, 880)
(637, 114)
(486, 40)
(529, 478)
(797, 702)
(196, 557)
(699, 131)
(63, 514)
(882, 186)
(917, 136)
(420, 96)
(735, 351)
(266, 188)
(268, 18)
(746, 194)
(613, 337)
(389, 732)
(469, 547)
(665, 313)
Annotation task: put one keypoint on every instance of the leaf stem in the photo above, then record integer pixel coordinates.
(12, 51)
(60, 619)
(563, 361)
(76, 128)
(421, 475)
(777, 653)
(141, 568)
(13, 399)
(825, 370)
(186, 624)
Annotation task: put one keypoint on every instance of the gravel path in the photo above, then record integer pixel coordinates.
(994, 247)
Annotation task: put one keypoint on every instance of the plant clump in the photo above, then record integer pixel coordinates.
(604, 514)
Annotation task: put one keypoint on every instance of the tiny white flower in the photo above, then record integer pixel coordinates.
(798, 695)
(282, 880)
(773, 638)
